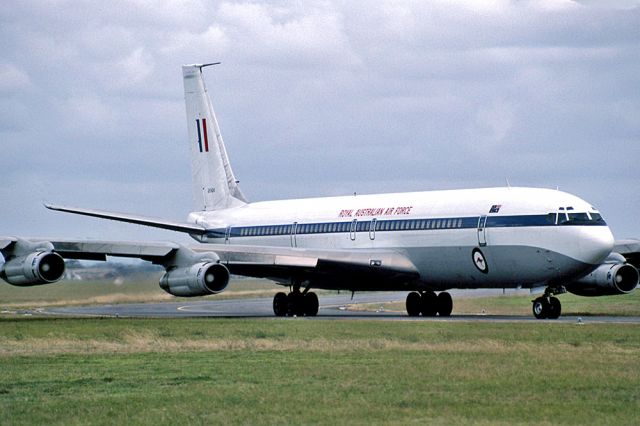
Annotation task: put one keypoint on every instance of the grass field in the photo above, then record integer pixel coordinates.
(297, 371)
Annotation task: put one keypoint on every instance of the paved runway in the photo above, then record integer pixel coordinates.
(331, 307)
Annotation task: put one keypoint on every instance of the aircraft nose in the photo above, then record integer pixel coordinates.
(596, 244)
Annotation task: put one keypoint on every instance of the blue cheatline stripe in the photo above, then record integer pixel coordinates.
(392, 225)
(199, 135)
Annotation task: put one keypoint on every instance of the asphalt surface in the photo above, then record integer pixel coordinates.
(331, 307)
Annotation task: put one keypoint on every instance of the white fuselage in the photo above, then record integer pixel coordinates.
(476, 238)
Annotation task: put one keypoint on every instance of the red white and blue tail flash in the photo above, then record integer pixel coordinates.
(202, 135)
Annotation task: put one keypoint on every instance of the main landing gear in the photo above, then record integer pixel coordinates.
(296, 303)
(429, 304)
(548, 306)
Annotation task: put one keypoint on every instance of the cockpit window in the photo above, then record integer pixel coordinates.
(568, 216)
(578, 219)
(597, 218)
(562, 218)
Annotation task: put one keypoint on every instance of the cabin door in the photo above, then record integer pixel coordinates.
(294, 243)
(482, 233)
(372, 229)
(352, 229)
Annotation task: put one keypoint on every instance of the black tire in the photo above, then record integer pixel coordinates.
(555, 308)
(413, 304)
(445, 304)
(295, 303)
(311, 304)
(540, 308)
(280, 304)
(429, 305)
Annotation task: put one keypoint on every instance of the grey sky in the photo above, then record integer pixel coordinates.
(314, 98)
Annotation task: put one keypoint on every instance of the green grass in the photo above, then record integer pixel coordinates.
(297, 371)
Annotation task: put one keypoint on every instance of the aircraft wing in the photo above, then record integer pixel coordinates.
(332, 269)
(353, 269)
(129, 218)
(630, 249)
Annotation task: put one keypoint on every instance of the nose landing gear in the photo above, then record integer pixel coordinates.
(548, 306)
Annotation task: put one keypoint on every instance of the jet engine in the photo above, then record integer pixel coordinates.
(37, 268)
(606, 279)
(200, 279)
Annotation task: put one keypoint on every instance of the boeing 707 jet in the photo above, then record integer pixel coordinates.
(424, 243)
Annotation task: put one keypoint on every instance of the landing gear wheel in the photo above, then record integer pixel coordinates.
(555, 308)
(445, 304)
(541, 308)
(280, 304)
(311, 304)
(429, 304)
(295, 304)
(414, 301)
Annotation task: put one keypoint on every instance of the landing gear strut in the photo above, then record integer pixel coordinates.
(429, 304)
(548, 306)
(296, 303)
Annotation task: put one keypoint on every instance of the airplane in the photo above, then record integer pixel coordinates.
(424, 243)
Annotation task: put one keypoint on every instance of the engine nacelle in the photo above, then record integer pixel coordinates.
(200, 279)
(37, 268)
(606, 279)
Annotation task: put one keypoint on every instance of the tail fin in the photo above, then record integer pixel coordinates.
(214, 185)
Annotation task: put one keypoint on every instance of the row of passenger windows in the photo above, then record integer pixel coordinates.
(563, 217)
(360, 226)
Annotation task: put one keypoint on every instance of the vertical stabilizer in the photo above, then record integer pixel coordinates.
(214, 185)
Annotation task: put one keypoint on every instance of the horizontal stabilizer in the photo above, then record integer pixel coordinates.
(189, 228)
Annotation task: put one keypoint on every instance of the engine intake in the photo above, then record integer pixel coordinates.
(200, 279)
(36, 268)
(606, 279)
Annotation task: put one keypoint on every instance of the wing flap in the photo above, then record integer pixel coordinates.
(98, 250)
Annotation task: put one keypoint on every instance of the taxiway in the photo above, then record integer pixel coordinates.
(341, 306)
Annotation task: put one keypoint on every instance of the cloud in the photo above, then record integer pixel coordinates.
(315, 98)
(12, 79)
